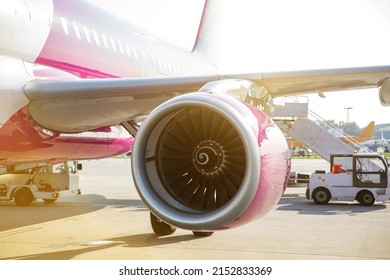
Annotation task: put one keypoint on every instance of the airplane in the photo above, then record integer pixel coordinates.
(206, 155)
(384, 142)
(366, 134)
(378, 145)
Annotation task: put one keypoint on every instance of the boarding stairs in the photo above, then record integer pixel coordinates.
(293, 119)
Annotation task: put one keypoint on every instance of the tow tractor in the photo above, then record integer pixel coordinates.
(26, 183)
(363, 177)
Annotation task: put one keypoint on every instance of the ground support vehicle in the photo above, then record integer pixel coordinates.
(28, 182)
(361, 177)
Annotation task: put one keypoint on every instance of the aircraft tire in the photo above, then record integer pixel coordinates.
(203, 233)
(159, 227)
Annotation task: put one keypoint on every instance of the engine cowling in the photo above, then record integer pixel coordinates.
(207, 162)
(384, 92)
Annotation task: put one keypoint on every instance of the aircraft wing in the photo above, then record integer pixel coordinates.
(289, 83)
(81, 105)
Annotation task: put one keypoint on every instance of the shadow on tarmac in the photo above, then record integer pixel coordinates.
(61, 255)
(13, 216)
(298, 203)
(135, 241)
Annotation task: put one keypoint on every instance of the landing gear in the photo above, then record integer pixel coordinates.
(203, 233)
(159, 227)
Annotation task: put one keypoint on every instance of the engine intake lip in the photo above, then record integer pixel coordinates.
(147, 171)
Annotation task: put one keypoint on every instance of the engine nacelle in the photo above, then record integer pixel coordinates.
(384, 92)
(206, 162)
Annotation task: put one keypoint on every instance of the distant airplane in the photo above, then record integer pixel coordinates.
(377, 144)
(72, 76)
(365, 135)
(384, 141)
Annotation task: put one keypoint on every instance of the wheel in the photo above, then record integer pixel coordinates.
(159, 227)
(321, 196)
(23, 197)
(366, 198)
(307, 193)
(49, 200)
(203, 233)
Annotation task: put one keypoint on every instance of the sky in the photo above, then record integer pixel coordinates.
(284, 35)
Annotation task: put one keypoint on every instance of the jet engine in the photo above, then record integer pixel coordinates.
(207, 162)
(384, 92)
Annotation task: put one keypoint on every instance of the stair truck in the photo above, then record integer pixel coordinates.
(25, 183)
(363, 177)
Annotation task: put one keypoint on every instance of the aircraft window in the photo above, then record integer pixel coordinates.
(96, 36)
(105, 41)
(128, 50)
(77, 30)
(29, 12)
(23, 10)
(120, 47)
(113, 44)
(87, 34)
(65, 26)
(48, 18)
(135, 53)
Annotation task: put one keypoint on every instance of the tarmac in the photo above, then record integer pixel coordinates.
(110, 222)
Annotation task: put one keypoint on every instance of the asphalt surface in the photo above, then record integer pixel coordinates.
(109, 221)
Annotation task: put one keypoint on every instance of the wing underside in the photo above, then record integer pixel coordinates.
(81, 105)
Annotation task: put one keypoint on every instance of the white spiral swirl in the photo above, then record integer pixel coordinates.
(202, 158)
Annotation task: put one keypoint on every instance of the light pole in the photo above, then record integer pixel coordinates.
(348, 108)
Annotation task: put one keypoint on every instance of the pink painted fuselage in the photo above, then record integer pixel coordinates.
(79, 41)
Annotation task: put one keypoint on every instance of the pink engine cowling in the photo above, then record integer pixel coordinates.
(206, 161)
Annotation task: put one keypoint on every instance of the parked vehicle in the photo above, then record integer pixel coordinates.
(26, 183)
(361, 177)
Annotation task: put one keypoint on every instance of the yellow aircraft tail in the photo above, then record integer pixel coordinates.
(366, 134)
